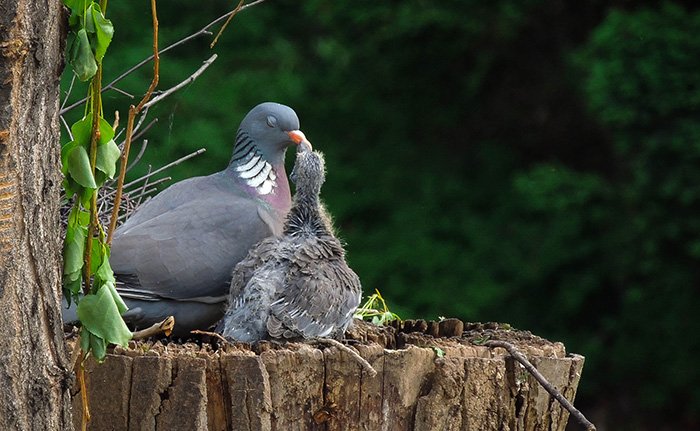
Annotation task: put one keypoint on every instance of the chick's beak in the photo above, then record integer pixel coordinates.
(297, 136)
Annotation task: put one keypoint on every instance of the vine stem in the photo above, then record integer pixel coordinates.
(133, 111)
(96, 104)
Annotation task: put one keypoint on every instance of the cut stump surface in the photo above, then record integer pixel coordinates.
(430, 376)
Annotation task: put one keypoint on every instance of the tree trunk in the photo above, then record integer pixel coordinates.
(34, 369)
(306, 387)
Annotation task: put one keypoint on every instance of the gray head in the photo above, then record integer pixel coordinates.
(271, 127)
(309, 171)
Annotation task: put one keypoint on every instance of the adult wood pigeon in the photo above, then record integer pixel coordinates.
(298, 284)
(175, 254)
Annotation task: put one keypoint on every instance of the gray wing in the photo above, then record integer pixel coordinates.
(184, 245)
(319, 296)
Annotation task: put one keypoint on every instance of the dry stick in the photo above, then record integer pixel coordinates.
(120, 91)
(211, 334)
(201, 32)
(141, 151)
(367, 367)
(543, 381)
(70, 89)
(65, 124)
(157, 171)
(184, 83)
(161, 169)
(223, 27)
(141, 132)
(130, 126)
(163, 327)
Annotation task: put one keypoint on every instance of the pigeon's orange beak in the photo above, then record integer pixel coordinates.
(297, 136)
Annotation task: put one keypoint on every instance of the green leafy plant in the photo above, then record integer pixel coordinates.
(88, 161)
(375, 310)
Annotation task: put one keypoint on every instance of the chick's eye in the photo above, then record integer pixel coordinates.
(271, 121)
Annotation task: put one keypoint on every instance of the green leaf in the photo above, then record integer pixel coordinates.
(79, 167)
(104, 31)
(84, 218)
(65, 150)
(121, 305)
(78, 6)
(73, 249)
(105, 273)
(99, 313)
(82, 131)
(96, 255)
(81, 57)
(106, 132)
(85, 340)
(98, 347)
(86, 197)
(107, 156)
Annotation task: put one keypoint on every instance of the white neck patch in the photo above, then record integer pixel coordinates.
(257, 172)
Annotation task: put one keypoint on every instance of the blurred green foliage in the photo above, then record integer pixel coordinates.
(532, 162)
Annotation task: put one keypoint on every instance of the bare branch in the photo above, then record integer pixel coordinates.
(141, 151)
(161, 169)
(65, 124)
(356, 356)
(203, 31)
(543, 381)
(223, 27)
(164, 327)
(184, 83)
(70, 89)
(142, 131)
(133, 111)
(120, 91)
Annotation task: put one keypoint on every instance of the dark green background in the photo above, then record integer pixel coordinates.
(532, 162)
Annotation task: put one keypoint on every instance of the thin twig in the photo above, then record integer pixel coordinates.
(543, 381)
(140, 153)
(187, 81)
(163, 327)
(223, 27)
(143, 189)
(65, 124)
(211, 334)
(161, 169)
(120, 91)
(133, 111)
(115, 123)
(203, 31)
(362, 361)
(70, 89)
(142, 118)
(145, 193)
(141, 132)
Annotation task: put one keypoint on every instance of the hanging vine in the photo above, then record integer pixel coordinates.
(88, 161)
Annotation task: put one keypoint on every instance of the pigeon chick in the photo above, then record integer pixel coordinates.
(298, 284)
(175, 254)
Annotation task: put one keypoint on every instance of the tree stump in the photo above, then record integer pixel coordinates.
(442, 381)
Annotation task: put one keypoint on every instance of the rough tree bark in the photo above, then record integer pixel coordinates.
(34, 369)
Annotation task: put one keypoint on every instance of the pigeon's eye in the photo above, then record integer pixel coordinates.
(271, 121)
